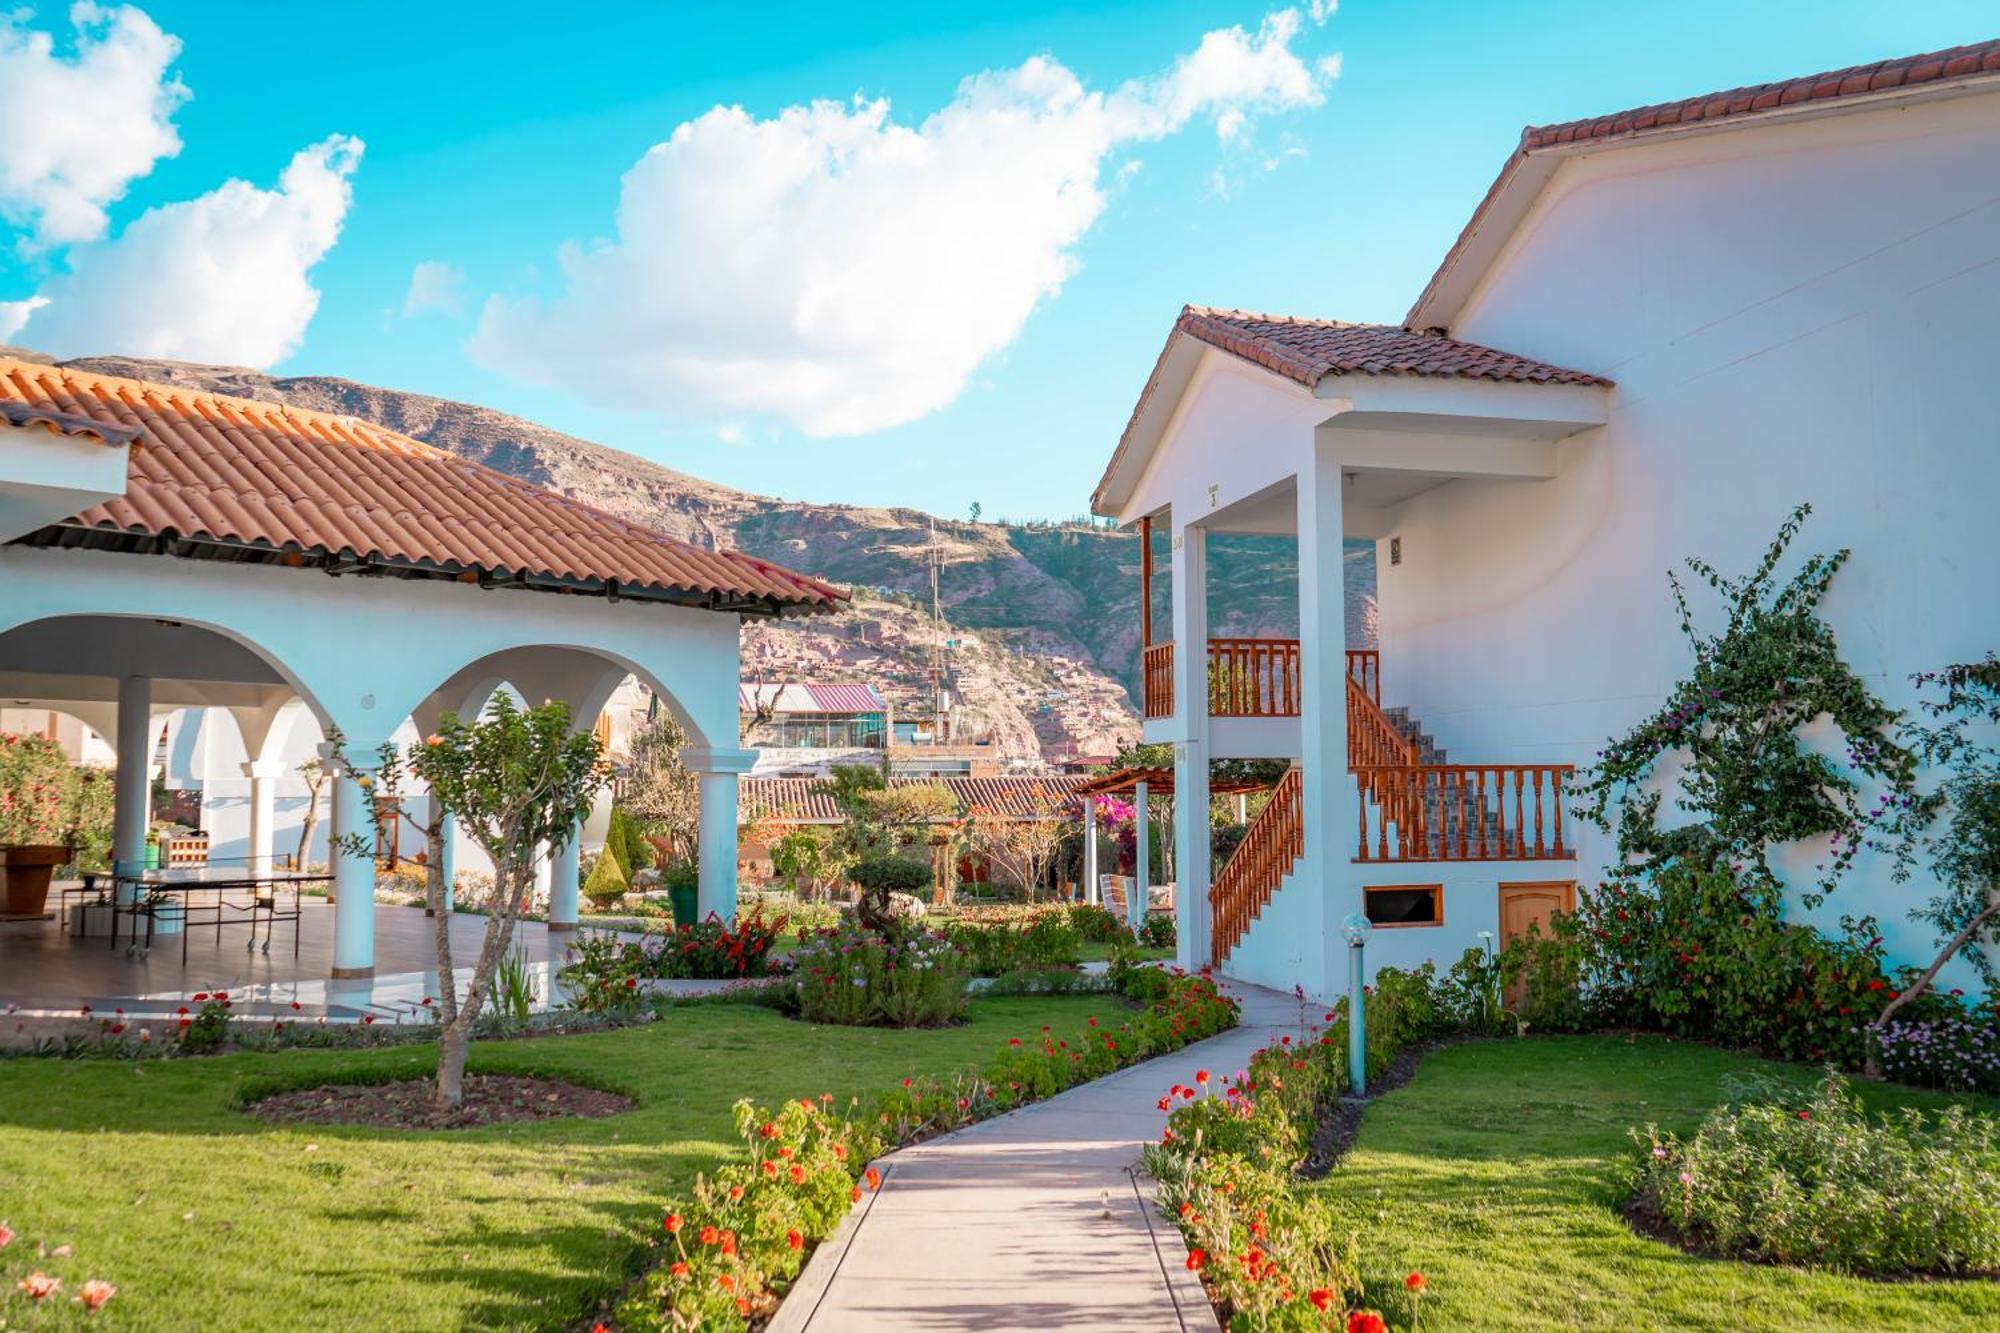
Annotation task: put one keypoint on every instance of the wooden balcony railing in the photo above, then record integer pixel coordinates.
(1463, 812)
(1253, 677)
(1259, 864)
(1364, 668)
(1372, 739)
(1157, 679)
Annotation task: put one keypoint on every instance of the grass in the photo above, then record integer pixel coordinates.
(207, 1218)
(1497, 1172)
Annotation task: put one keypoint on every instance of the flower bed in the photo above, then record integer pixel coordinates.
(853, 977)
(604, 969)
(1816, 1181)
(725, 1256)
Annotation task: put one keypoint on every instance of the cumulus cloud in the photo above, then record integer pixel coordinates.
(435, 285)
(223, 277)
(847, 272)
(81, 127)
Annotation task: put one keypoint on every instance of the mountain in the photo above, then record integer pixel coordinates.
(1044, 617)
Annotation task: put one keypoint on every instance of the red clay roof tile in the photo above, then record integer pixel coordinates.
(241, 472)
(1308, 350)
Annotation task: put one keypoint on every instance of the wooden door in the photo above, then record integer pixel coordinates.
(1524, 905)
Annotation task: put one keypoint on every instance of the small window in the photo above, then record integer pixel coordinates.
(1406, 905)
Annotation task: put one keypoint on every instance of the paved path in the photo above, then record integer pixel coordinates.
(1032, 1220)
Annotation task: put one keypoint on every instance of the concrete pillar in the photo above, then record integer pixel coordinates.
(448, 862)
(716, 868)
(132, 788)
(1328, 797)
(715, 881)
(263, 775)
(1090, 849)
(1192, 833)
(352, 850)
(1142, 869)
(565, 880)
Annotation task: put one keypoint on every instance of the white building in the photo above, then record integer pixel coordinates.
(298, 574)
(1711, 311)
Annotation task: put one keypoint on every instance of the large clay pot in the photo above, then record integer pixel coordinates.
(27, 871)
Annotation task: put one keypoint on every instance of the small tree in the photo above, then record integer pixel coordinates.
(1026, 840)
(514, 780)
(807, 857)
(659, 791)
(316, 777)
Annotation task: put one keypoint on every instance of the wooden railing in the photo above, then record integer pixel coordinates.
(1364, 668)
(1157, 679)
(1259, 864)
(1253, 677)
(1463, 812)
(1373, 741)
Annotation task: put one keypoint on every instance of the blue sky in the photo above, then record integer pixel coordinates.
(495, 134)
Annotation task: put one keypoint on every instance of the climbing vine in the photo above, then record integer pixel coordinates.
(1748, 778)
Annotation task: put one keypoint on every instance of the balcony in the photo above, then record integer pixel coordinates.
(1249, 677)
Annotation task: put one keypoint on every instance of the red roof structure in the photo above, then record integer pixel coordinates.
(1308, 350)
(806, 800)
(230, 478)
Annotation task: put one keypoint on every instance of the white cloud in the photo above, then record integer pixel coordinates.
(847, 272)
(222, 277)
(435, 285)
(80, 128)
(14, 315)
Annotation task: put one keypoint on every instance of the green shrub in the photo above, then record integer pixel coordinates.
(879, 876)
(1047, 940)
(1819, 1182)
(607, 881)
(1097, 924)
(1158, 932)
(858, 978)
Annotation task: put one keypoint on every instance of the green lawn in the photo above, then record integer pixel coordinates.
(207, 1218)
(1496, 1172)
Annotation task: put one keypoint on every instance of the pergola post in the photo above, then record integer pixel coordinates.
(565, 879)
(133, 786)
(1142, 871)
(1090, 893)
(352, 851)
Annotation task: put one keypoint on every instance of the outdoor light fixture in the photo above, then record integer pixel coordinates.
(1356, 928)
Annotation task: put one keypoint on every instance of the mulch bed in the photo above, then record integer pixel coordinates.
(1340, 1120)
(490, 1099)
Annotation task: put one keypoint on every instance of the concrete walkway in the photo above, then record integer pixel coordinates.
(1033, 1220)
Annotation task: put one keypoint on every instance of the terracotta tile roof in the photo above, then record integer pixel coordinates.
(62, 423)
(1736, 105)
(1308, 350)
(805, 800)
(206, 468)
(1856, 80)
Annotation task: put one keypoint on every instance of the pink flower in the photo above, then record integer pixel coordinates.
(6, 1235)
(39, 1286)
(95, 1293)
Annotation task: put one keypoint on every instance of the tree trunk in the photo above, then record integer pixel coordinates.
(307, 826)
(1872, 1067)
(434, 888)
(511, 878)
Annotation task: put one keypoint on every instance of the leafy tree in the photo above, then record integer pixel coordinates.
(1749, 779)
(807, 856)
(1024, 843)
(659, 791)
(514, 780)
(46, 800)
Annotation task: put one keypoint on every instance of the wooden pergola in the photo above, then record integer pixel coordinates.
(1139, 785)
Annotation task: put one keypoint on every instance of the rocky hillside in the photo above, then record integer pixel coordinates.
(1045, 617)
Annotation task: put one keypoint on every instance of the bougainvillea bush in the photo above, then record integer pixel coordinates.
(47, 801)
(604, 970)
(1818, 1181)
(723, 1256)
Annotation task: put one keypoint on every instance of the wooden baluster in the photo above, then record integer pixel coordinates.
(1361, 782)
(1539, 849)
(1459, 781)
(1520, 832)
(1499, 849)
(1556, 782)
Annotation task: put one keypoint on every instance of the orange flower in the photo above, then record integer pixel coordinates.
(794, 1239)
(679, 1269)
(39, 1286)
(873, 1177)
(735, 1193)
(727, 1281)
(798, 1174)
(709, 1235)
(672, 1222)
(1321, 1298)
(770, 1167)
(855, 1197)
(1366, 1321)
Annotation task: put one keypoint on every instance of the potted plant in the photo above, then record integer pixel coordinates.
(38, 809)
(681, 880)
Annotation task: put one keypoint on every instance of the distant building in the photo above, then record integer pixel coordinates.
(803, 730)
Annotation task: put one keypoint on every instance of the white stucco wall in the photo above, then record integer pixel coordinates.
(1801, 312)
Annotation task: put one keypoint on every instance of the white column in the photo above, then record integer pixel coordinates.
(351, 848)
(448, 861)
(1142, 869)
(564, 879)
(1090, 849)
(1329, 801)
(263, 775)
(133, 786)
(715, 866)
(1193, 837)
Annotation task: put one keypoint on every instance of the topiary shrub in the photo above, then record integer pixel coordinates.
(879, 876)
(607, 882)
(1819, 1182)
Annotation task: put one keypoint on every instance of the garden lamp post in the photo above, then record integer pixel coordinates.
(1356, 928)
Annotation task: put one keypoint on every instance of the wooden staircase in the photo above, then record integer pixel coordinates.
(1415, 806)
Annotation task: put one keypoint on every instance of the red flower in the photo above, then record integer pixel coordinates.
(672, 1222)
(1415, 1282)
(1321, 1298)
(798, 1174)
(729, 1242)
(367, 1019)
(735, 1193)
(709, 1235)
(679, 1268)
(794, 1239)
(770, 1168)
(726, 1281)
(200, 995)
(1366, 1321)
(1195, 1260)
(39, 1286)
(873, 1177)
(1805, 1115)
(1201, 1076)
(855, 1197)
(600, 1327)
